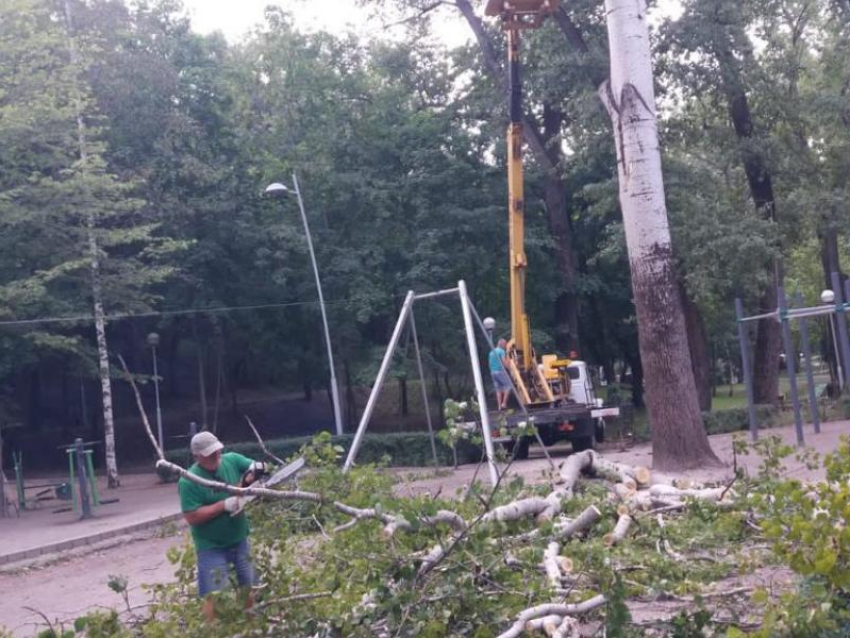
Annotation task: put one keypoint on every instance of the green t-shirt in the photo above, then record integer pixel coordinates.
(224, 530)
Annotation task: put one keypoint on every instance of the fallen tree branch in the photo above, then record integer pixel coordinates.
(549, 609)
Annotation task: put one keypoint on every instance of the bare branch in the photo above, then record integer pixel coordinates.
(142, 413)
(262, 444)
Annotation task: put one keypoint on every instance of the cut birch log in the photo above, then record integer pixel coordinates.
(549, 624)
(516, 510)
(551, 566)
(569, 628)
(680, 482)
(589, 517)
(711, 494)
(620, 530)
(548, 609)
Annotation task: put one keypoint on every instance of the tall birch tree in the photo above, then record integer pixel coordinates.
(678, 436)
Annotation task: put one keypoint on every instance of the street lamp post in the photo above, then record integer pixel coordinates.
(489, 326)
(279, 189)
(153, 342)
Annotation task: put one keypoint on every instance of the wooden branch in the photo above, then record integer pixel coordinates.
(262, 444)
(129, 378)
(549, 609)
(620, 530)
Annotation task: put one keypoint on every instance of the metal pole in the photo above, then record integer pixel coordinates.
(424, 389)
(810, 375)
(158, 408)
(479, 384)
(841, 322)
(334, 388)
(745, 367)
(838, 366)
(85, 504)
(790, 367)
(379, 381)
(438, 293)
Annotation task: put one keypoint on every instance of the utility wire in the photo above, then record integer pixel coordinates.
(164, 313)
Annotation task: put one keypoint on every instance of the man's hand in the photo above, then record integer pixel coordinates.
(234, 504)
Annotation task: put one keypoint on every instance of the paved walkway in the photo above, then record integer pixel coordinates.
(143, 501)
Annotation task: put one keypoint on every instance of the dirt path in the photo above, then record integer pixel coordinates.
(66, 589)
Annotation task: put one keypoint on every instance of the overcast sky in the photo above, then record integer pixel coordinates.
(235, 17)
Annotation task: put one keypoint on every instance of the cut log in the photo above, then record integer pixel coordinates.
(620, 530)
(711, 494)
(569, 628)
(585, 520)
(551, 566)
(548, 609)
(516, 510)
(680, 482)
(549, 624)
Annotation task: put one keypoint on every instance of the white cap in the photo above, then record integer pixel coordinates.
(205, 444)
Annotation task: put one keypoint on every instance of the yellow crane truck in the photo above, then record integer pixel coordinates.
(555, 393)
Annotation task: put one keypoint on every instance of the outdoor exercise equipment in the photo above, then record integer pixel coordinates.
(784, 315)
(46, 491)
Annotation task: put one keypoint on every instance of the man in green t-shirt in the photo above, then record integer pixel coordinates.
(219, 526)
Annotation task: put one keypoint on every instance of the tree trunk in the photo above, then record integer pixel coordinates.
(566, 304)
(698, 347)
(350, 402)
(113, 480)
(831, 260)
(767, 350)
(768, 339)
(679, 440)
(637, 380)
(202, 382)
(404, 408)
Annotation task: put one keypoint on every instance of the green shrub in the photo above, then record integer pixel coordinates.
(409, 449)
(737, 419)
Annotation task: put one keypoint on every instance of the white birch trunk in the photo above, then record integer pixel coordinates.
(96, 288)
(679, 439)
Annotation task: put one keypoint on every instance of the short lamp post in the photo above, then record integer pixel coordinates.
(489, 326)
(153, 342)
(278, 189)
(828, 297)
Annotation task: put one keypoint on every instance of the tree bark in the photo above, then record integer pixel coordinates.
(698, 347)
(830, 258)
(113, 480)
(560, 226)
(678, 438)
(768, 339)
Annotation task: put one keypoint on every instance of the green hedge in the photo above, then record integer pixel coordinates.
(737, 419)
(409, 449)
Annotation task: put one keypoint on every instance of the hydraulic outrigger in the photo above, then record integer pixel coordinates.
(546, 381)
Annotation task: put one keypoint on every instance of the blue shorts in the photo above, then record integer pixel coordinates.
(214, 568)
(500, 380)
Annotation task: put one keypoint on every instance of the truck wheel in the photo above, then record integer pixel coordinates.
(599, 431)
(582, 443)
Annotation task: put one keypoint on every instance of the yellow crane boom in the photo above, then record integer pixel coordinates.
(550, 383)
